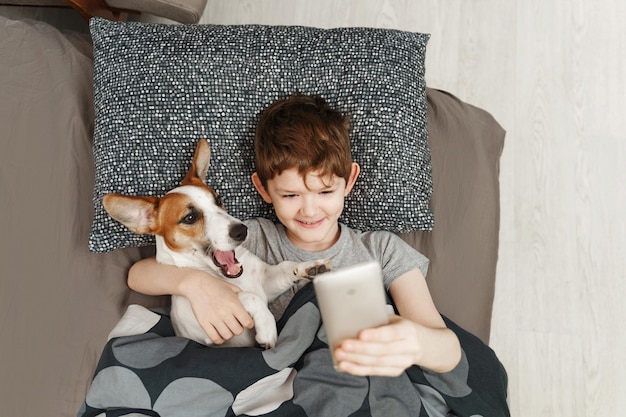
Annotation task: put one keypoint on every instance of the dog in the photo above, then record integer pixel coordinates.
(193, 229)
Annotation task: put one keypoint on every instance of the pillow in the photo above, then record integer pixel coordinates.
(159, 88)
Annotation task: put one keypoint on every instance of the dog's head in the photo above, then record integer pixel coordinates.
(191, 219)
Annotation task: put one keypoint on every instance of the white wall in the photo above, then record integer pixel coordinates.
(553, 74)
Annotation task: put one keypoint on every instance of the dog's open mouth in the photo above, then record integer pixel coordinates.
(228, 264)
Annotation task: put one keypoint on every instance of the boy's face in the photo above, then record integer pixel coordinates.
(309, 211)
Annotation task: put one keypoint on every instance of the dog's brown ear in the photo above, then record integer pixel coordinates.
(136, 213)
(200, 164)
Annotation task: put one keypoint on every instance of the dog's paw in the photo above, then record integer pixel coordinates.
(312, 269)
(266, 336)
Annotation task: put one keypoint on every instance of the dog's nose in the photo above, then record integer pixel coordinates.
(238, 232)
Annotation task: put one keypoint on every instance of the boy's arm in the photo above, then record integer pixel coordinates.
(439, 347)
(418, 336)
(214, 302)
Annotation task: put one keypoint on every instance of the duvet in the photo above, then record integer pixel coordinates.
(146, 370)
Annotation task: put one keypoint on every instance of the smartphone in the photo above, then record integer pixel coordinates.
(351, 299)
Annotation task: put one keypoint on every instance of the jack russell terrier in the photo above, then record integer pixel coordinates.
(192, 229)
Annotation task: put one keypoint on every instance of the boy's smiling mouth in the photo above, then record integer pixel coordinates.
(310, 223)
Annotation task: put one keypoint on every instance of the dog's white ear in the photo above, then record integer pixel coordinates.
(200, 165)
(136, 213)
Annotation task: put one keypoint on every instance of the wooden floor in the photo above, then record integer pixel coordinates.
(553, 73)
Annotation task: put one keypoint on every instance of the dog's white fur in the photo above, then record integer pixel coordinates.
(190, 225)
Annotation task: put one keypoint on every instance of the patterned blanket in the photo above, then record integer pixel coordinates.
(147, 371)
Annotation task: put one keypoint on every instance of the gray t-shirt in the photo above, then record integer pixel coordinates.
(269, 242)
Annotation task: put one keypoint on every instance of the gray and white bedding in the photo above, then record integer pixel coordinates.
(146, 370)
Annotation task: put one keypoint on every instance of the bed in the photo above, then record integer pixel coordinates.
(63, 294)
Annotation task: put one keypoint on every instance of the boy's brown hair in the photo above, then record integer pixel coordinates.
(302, 132)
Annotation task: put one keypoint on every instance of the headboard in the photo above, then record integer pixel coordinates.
(183, 11)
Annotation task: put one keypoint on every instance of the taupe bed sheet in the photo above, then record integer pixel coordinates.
(58, 301)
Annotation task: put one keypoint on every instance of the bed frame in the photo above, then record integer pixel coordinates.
(183, 11)
(91, 8)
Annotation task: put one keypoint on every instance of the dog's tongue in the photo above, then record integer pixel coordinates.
(227, 261)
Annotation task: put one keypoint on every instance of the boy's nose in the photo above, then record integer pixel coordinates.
(309, 206)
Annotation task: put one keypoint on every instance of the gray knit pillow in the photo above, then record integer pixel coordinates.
(159, 88)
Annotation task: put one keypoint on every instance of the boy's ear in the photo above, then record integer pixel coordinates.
(260, 188)
(355, 169)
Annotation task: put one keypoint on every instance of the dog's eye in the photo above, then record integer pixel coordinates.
(191, 217)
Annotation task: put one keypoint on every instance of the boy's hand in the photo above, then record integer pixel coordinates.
(385, 351)
(217, 308)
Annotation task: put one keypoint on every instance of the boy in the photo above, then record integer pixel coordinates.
(305, 170)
